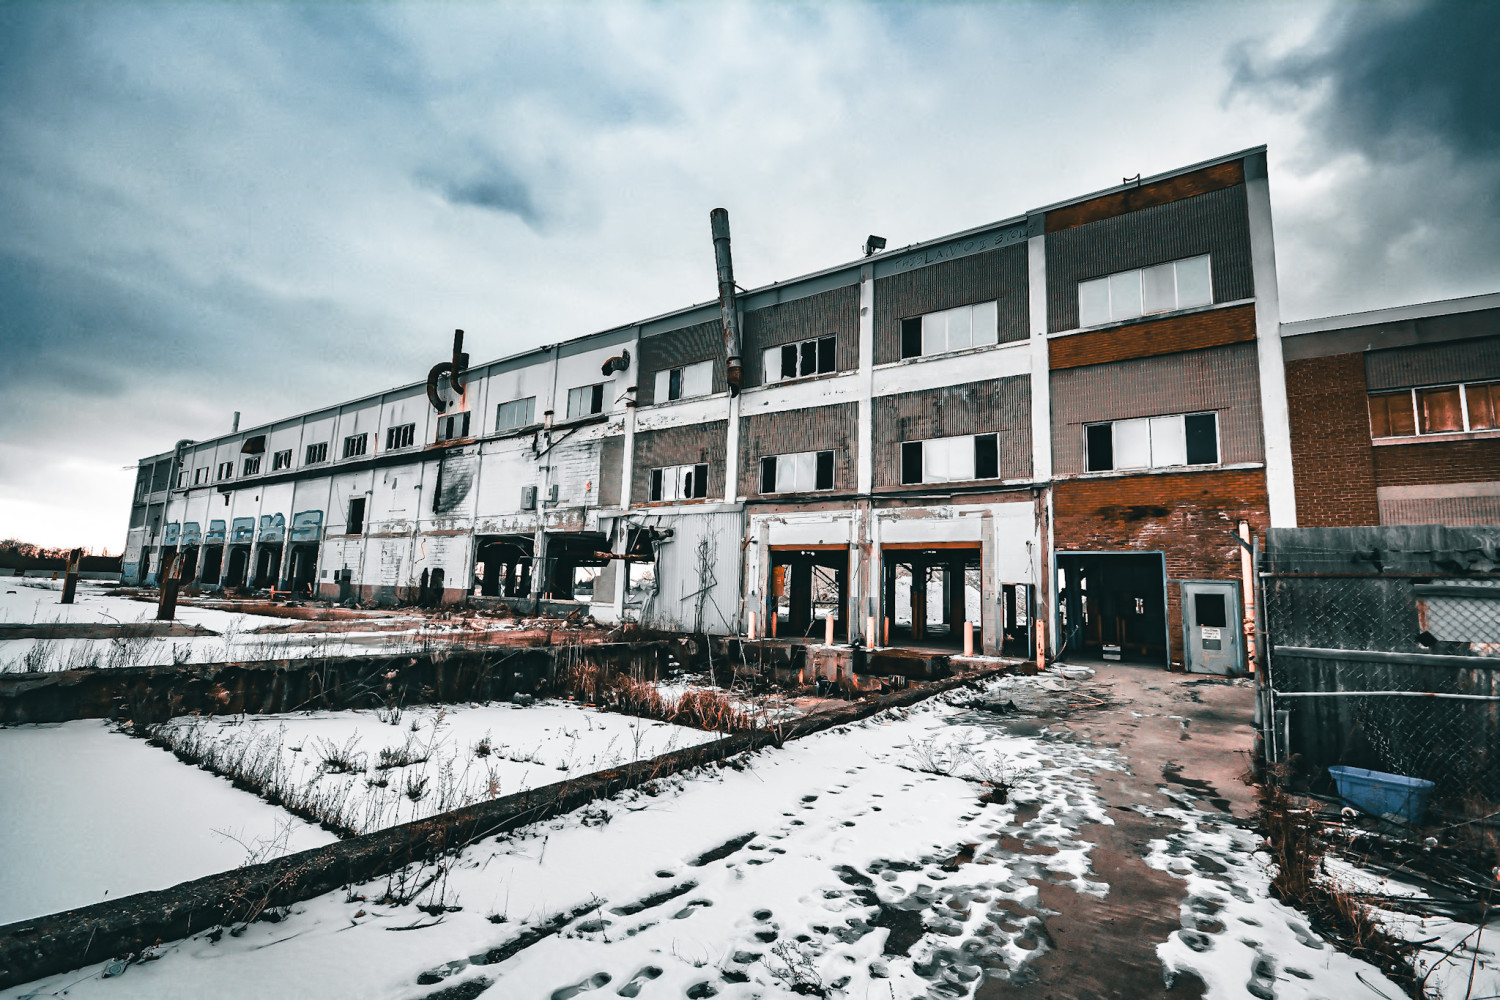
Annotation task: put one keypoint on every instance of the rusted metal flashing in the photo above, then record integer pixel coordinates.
(1220, 175)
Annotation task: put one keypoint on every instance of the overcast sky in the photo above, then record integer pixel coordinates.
(269, 208)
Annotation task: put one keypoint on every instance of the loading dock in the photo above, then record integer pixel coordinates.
(1112, 606)
(930, 590)
(808, 585)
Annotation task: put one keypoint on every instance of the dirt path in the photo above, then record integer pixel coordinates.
(1183, 734)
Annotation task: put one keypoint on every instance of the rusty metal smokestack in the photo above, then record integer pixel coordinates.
(719, 221)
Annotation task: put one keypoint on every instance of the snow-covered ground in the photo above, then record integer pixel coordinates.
(88, 814)
(373, 769)
(28, 601)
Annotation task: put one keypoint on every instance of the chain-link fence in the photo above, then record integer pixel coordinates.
(1394, 671)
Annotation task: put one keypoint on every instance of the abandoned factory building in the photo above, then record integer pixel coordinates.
(1060, 431)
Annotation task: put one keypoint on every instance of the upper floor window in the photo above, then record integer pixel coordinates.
(200, 476)
(1176, 284)
(681, 383)
(316, 453)
(801, 472)
(355, 444)
(679, 482)
(585, 399)
(951, 330)
(1153, 442)
(453, 426)
(355, 523)
(182, 480)
(951, 459)
(400, 436)
(808, 357)
(1438, 409)
(281, 460)
(516, 413)
(251, 466)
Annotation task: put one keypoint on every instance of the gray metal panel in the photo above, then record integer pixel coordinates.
(1222, 379)
(1215, 223)
(611, 462)
(1429, 364)
(1001, 406)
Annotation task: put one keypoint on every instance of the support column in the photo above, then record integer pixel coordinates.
(1273, 406)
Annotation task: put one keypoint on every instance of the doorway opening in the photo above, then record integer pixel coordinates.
(267, 565)
(807, 587)
(239, 566)
(189, 572)
(302, 575)
(1113, 607)
(930, 592)
(504, 566)
(574, 563)
(213, 565)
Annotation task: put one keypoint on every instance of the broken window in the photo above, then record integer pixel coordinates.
(355, 445)
(1178, 284)
(181, 480)
(584, 579)
(200, 476)
(950, 330)
(640, 582)
(584, 400)
(801, 472)
(401, 436)
(251, 466)
(453, 427)
(679, 482)
(951, 459)
(683, 383)
(281, 460)
(1152, 442)
(800, 360)
(316, 453)
(1441, 409)
(516, 413)
(356, 522)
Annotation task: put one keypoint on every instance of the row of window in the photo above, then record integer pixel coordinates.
(1153, 442)
(1178, 284)
(1440, 409)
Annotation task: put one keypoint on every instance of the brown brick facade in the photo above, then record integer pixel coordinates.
(832, 313)
(1152, 338)
(819, 428)
(687, 445)
(1191, 516)
(1332, 462)
(1476, 461)
(1000, 275)
(691, 344)
(1002, 406)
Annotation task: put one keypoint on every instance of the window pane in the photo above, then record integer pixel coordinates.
(1159, 286)
(1099, 440)
(1093, 302)
(825, 471)
(656, 480)
(768, 474)
(948, 460)
(807, 470)
(960, 330)
(674, 384)
(698, 380)
(772, 364)
(809, 358)
(986, 330)
(700, 480)
(911, 338)
(1482, 406)
(1391, 414)
(1208, 609)
(786, 473)
(1125, 295)
(1439, 410)
(575, 396)
(934, 333)
(1202, 439)
(789, 361)
(1168, 443)
(911, 462)
(1132, 444)
(826, 362)
(986, 456)
(1195, 285)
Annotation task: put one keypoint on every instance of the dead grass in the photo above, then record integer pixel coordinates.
(700, 708)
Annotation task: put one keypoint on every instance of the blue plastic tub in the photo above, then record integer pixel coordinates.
(1389, 796)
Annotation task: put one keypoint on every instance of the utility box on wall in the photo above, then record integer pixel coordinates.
(528, 498)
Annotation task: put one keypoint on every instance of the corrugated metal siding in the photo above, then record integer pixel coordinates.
(611, 463)
(1215, 223)
(1429, 364)
(686, 445)
(817, 428)
(834, 312)
(997, 274)
(1002, 406)
(686, 346)
(1223, 379)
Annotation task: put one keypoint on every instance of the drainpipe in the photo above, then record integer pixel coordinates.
(719, 222)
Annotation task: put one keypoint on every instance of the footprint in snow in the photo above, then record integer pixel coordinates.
(633, 988)
(593, 982)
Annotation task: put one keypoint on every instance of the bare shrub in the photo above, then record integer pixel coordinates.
(342, 759)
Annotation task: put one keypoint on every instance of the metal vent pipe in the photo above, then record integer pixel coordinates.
(719, 221)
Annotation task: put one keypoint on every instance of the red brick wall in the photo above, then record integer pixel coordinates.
(1332, 459)
(1437, 462)
(1213, 328)
(1190, 516)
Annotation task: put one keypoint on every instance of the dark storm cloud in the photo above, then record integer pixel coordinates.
(484, 182)
(1397, 77)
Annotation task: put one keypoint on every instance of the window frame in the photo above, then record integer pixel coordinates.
(451, 428)
(1151, 422)
(355, 525)
(596, 400)
(656, 485)
(529, 410)
(1415, 412)
(281, 460)
(914, 458)
(250, 466)
(914, 331)
(675, 380)
(801, 350)
(400, 436)
(200, 475)
(1140, 284)
(356, 445)
(771, 465)
(315, 454)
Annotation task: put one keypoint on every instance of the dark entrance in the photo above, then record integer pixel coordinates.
(213, 565)
(267, 565)
(807, 587)
(1112, 606)
(302, 575)
(574, 563)
(239, 566)
(505, 569)
(929, 593)
(189, 571)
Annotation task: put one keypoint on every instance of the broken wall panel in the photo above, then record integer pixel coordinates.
(693, 444)
(811, 429)
(1215, 223)
(999, 275)
(611, 463)
(833, 313)
(1222, 380)
(1001, 406)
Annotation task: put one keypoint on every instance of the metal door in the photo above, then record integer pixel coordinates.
(1211, 628)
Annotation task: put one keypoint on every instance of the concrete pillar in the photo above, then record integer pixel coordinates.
(1273, 406)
